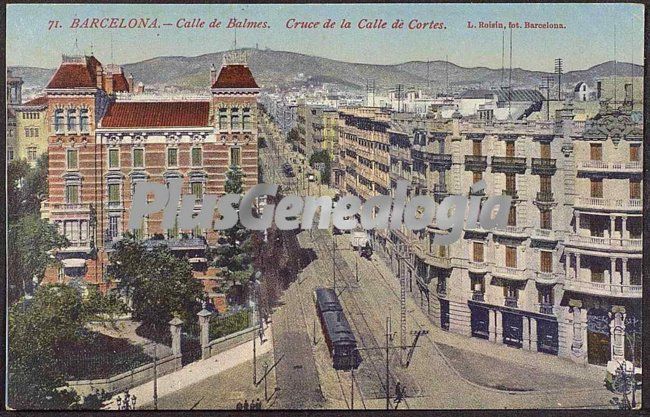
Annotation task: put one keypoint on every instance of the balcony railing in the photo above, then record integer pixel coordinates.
(475, 162)
(602, 288)
(602, 166)
(545, 308)
(546, 277)
(609, 203)
(543, 165)
(605, 242)
(440, 262)
(545, 197)
(509, 272)
(439, 160)
(511, 302)
(511, 193)
(508, 163)
(511, 230)
(477, 266)
(478, 296)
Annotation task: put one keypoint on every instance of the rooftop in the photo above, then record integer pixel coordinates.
(235, 76)
(142, 114)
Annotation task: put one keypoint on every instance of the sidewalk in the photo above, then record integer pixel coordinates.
(197, 371)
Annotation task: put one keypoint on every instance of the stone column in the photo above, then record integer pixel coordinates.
(492, 325)
(612, 226)
(204, 324)
(175, 329)
(499, 326)
(577, 267)
(612, 269)
(567, 264)
(625, 273)
(617, 333)
(624, 233)
(533, 334)
(525, 333)
(577, 225)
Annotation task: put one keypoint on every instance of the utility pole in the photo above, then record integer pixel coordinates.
(254, 359)
(387, 373)
(352, 389)
(558, 72)
(334, 259)
(155, 371)
(547, 86)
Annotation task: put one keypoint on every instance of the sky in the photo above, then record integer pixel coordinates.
(591, 34)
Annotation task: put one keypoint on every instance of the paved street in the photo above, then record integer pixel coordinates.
(446, 370)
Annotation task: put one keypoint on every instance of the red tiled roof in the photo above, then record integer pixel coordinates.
(235, 76)
(73, 75)
(38, 101)
(120, 84)
(157, 114)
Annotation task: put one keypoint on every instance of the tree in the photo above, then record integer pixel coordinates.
(293, 136)
(38, 331)
(159, 284)
(235, 255)
(26, 187)
(30, 240)
(322, 156)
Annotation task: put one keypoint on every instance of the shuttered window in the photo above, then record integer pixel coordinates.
(597, 188)
(545, 220)
(512, 216)
(476, 148)
(545, 183)
(113, 193)
(477, 176)
(635, 154)
(546, 261)
(138, 158)
(545, 150)
(172, 157)
(197, 158)
(235, 156)
(510, 149)
(635, 189)
(72, 159)
(478, 252)
(511, 183)
(113, 158)
(511, 256)
(72, 194)
(596, 152)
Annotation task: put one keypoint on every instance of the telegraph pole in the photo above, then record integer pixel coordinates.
(387, 373)
(334, 259)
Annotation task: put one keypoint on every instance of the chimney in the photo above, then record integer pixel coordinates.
(213, 75)
(140, 88)
(109, 83)
(129, 81)
(100, 76)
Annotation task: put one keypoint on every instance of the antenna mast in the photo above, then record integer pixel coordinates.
(558, 72)
(510, 80)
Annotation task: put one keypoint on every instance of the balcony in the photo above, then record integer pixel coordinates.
(508, 164)
(545, 308)
(439, 161)
(439, 192)
(543, 166)
(602, 288)
(607, 166)
(547, 278)
(441, 262)
(510, 302)
(478, 296)
(544, 234)
(608, 204)
(514, 231)
(511, 193)
(509, 272)
(475, 162)
(606, 243)
(477, 267)
(544, 197)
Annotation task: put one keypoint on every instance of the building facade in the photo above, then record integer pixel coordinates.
(100, 146)
(563, 276)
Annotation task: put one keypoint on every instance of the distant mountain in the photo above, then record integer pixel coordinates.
(280, 68)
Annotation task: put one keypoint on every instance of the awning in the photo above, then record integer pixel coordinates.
(73, 263)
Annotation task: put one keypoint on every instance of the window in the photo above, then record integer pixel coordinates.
(223, 119)
(58, 121)
(510, 292)
(172, 157)
(28, 132)
(31, 153)
(173, 232)
(511, 256)
(546, 261)
(84, 121)
(83, 230)
(114, 158)
(72, 159)
(510, 149)
(597, 275)
(597, 187)
(442, 251)
(138, 158)
(512, 216)
(545, 220)
(478, 252)
(113, 194)
(10, 154)
(545, 183)
(113, 227)
(234, 119)
(72, 194)
(72, 120)
(476, 148)
(246, 119)
(197, 158)
(197, 190)
(635, 189)
(35, 132)
(545, 150)
(476, 176)
(545, 295)
(235, 156)
(510, 182)
(628, 92)
(635, 154)
(596, 151)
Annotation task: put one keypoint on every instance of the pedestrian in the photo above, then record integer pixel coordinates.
(239, 405)
(245, 404)
(259, 404)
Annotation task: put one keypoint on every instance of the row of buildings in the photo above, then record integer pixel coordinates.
(564, 276)
(102, 140)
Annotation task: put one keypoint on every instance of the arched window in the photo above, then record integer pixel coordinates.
(72, 120)
(58, 121)
(84, 121)
(234, 119)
